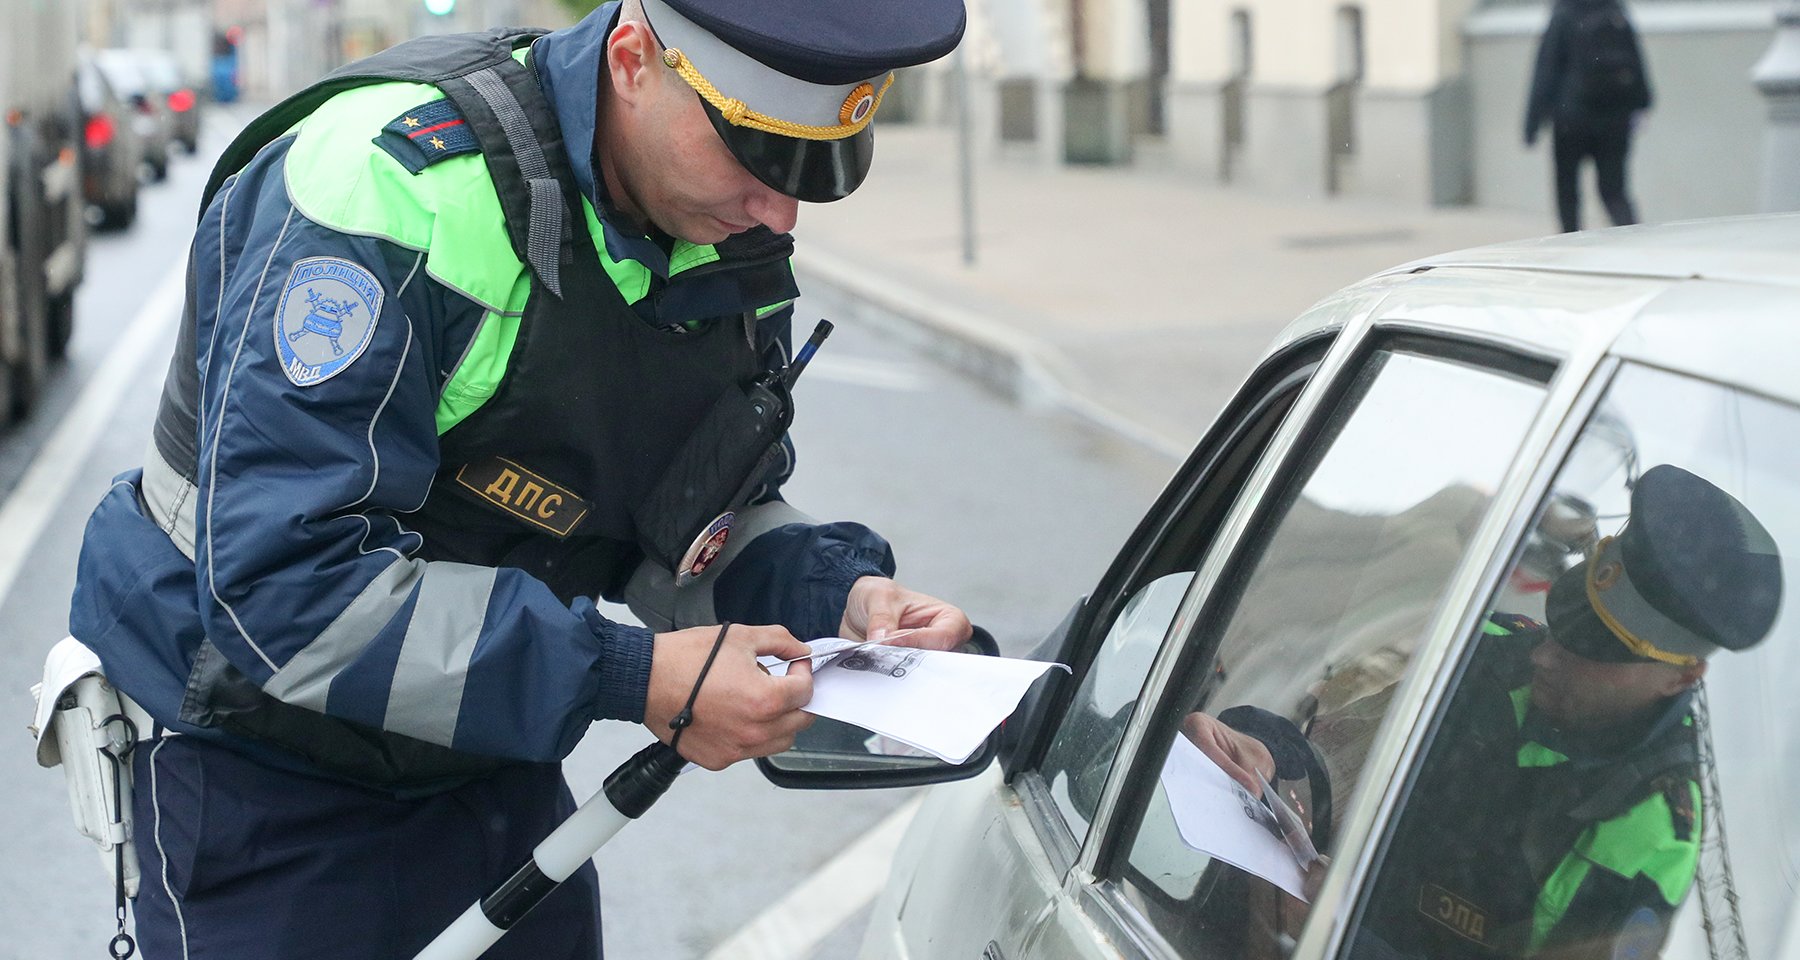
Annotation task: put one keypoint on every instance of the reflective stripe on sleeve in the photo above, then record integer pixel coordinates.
(426, 696)
(305, 680)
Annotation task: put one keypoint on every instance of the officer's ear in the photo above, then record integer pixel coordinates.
(632, 61)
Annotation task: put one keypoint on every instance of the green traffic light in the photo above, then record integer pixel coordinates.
(439, 7)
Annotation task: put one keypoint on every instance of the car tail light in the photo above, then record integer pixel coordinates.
(99, 131)
(181, 101)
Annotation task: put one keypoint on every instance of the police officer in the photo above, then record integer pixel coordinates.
(1560, 812)
(471, 336)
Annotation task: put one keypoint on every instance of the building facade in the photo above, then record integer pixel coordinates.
(1416, 101)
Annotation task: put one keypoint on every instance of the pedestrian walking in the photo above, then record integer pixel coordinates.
(477, 330)
(1591, 86)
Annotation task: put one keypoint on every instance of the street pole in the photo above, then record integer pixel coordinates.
(1777, 77)
(965, 154)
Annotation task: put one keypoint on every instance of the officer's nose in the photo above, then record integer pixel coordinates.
(777, 211)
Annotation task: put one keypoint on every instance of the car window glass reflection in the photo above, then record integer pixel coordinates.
(1340, 585)
(1082, 752)
(1615, 773)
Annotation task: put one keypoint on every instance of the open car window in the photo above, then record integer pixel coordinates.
(1589, 791)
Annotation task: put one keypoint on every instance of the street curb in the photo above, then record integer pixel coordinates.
(1019, 367)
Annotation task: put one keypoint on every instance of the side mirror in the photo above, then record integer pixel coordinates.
(830, 755)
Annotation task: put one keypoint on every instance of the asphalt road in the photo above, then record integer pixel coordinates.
(1011, 513)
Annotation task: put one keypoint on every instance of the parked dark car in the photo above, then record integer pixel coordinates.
(167, 81)
(111, 147)
(150, 115)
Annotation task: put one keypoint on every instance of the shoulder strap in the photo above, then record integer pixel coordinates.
(1630, 782)
(523, 149)
(433, 59)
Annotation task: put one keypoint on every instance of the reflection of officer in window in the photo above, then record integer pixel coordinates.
(1563, 818)
(1559, 812)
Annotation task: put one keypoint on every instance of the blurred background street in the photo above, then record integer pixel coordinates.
(1069, 253)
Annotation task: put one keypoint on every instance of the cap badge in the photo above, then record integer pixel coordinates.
(857, 105)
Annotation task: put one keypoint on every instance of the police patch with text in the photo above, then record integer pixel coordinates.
(1461, 916)
(540, 502)
(326, 318)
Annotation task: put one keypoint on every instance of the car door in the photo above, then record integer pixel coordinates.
(1334, 583)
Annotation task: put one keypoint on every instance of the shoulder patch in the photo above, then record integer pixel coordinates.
(426, 134)
(326, 318)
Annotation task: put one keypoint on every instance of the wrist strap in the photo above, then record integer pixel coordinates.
(681, 721)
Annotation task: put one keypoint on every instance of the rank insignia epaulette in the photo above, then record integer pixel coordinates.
(426, 134)
(1516, 623)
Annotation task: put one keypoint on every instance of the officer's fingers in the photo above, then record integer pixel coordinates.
(777, 642)
(784, 729)
(1241, 774)
(947, 629)
(774, 735)
(795, 689)
(873, 608)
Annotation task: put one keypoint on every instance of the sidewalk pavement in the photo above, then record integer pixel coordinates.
(1139, 299)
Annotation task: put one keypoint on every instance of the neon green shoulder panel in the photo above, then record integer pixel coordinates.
(338, 178)
(1642, 840)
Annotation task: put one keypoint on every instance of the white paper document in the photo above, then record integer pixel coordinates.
(1218, 817)
(940, 702)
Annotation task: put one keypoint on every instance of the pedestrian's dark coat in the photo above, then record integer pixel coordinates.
(1566, 58)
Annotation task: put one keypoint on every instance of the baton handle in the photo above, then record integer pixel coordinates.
(629, 791)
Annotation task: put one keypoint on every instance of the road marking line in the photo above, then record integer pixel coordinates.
(27, 510)
(793, 926)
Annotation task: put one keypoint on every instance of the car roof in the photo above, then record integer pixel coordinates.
(1712, 298)
(1760, 249)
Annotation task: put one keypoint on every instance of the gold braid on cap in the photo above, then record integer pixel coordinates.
(1632, 641)
(738, 114)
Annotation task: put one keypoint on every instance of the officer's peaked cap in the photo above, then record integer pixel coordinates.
(793, 85)
(1693, 571)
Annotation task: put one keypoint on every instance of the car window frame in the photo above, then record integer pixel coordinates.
(1569, 393)
(1290, 369)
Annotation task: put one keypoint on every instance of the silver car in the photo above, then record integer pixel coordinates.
(1397, 494)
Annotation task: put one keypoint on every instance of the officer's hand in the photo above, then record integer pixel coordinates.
(878, 606)
(742, 712)
(1239, 754)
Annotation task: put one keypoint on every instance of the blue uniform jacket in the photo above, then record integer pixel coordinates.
(300, 568)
